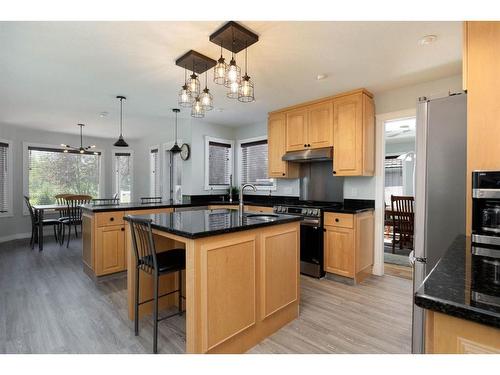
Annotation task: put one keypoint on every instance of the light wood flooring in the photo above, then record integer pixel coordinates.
(49, 305)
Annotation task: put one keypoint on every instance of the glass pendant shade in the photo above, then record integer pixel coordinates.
(246, 92)
(232, 92)
(207, 100)
(197, 110)
(193, 85)
(233, 74)
(185, 98)
(220, 71)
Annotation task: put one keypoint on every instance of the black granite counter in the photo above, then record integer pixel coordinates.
(352, 206)
(454, 284)
(205, 223)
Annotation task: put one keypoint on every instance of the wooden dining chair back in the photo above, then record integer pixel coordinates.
(403, 217)
(72, 214)
(35, 223)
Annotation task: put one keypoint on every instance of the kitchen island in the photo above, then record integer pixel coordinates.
(241, 278)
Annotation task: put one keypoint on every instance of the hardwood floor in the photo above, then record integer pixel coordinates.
(48, 305)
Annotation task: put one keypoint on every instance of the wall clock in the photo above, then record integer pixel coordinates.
(185, 151)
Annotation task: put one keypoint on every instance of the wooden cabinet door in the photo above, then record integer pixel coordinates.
(276, 138)
(296, 129)
(339, 251)
(320, 125)
(348, 135)
(110, 255)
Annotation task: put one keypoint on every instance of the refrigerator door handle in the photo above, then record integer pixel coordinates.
(412, 258)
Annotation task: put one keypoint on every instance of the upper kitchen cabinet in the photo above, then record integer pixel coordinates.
(276, 130)
(309, 127)
(354, 134)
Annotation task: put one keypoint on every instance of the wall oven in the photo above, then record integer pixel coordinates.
(486, 208)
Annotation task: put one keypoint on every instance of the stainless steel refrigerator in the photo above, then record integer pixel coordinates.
(440, 189)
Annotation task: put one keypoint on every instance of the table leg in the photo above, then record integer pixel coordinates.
(40, 230)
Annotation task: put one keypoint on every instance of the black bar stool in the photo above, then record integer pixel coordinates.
(148, 261)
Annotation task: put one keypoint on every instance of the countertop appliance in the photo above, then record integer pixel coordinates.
(311, 234)
(486, 208)
(440, 189)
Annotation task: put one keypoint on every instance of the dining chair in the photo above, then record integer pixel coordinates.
(34, 223)
(73, 215)
(146, 200)
(157, 265)
(403, 216)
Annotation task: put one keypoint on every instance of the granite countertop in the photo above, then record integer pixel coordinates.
(454, 280)
(352, 206)
(130, 206)
(204, 223)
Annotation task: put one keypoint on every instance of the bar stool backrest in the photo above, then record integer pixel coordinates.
(105, 201)
(145, 200)
(143, 244)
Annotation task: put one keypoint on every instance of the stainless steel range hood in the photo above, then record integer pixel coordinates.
(307, 156)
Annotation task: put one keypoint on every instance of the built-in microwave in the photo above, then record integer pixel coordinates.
(486, 208)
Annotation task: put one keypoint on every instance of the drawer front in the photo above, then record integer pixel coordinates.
(110, 218)
(339, 220)
(262, 209)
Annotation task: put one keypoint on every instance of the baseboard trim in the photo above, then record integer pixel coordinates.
(16, 236)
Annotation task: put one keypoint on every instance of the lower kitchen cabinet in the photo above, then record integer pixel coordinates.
(111, 242)
(348, 244)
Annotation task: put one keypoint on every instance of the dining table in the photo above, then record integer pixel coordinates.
(39, 211)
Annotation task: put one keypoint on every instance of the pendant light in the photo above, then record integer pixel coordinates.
(185, 98)
(206, 97)
(220, 69)
(81, 149)
(197, 110)
(121, 142)
(233, 76)
(175, 148)
(193, 84)
(246, 91)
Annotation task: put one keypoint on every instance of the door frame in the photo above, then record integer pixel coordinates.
(380, 120)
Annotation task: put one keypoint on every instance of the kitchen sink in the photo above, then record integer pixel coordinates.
(266, 217)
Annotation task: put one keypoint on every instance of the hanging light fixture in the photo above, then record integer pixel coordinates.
(197, 110)
(206, 97)
(185, 98)
(246, 91)
(81, 149)
(220, 69)
(233, 76)
(193, 84)
(175, 148)
(121, 142)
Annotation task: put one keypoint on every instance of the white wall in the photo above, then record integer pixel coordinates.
(20, 223)
(392, 101)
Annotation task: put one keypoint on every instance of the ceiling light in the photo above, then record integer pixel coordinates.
(320, 77)
(175, 148)
(185, 98)
(193, 85)
(246, 91)
(220, 69)
(427, 39)
(121, 142)
(206, 97)
(197, 109)
(103, 114)
(81, 149)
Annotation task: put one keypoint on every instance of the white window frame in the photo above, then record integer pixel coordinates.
(113, 183)
(26, 145)
(160, 167)
(165, 147)
(10, 180)
(209, 139)
(240, 160)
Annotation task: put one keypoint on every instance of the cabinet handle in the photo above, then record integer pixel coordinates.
(336, 220)
(111, 219)
(123, 229)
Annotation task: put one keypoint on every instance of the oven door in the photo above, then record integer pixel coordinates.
(486, 221)
(311, 248)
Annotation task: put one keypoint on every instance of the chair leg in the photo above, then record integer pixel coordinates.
(32, 240)
(180, 292)
(69, 235)
(136, 306)
(155, 315)
(76, 231)
(63, 233)
(393, 239)
(55, 232)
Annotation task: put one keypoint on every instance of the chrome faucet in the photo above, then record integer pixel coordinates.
(241, 195)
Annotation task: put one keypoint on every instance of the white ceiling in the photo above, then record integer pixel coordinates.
(56, 74)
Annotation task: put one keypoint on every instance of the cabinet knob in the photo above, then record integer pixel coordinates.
(308, 145)
(283, 174)
(111, 219)
(305, 145)
(334, 172)
(123, 229)
(336, 220)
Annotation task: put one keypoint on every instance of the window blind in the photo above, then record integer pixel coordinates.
(52, 172)
(254, 159)
(155, 187)
(219, 163)
(393, 171)
(123, 177)
(4, 175)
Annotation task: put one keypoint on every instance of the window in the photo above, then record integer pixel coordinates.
(172, 172)
(218, 163)
(122, 166)
(154, 172)
(52, 171)
(393, 177)
(253, 164)
(5, 178)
